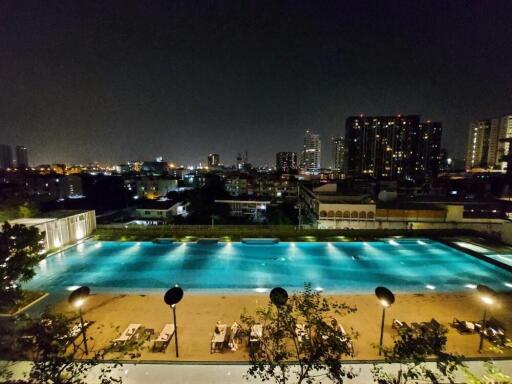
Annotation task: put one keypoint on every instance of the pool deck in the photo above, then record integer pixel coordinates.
(197, 315)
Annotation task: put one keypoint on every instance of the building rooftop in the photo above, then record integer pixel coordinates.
(30, 221)
(156, 204)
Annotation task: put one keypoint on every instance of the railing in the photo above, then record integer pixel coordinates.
(234, 227)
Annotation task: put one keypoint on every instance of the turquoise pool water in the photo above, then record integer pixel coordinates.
(403, 266)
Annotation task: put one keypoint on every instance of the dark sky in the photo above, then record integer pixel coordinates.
(113, 81)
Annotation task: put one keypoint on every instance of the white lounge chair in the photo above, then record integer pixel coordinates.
(300, 332)
(219, 338)
(127, 334)
(163, 339)
(255, 337)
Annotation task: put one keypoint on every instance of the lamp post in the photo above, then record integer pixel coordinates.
(386, 298)
(77, 299)
(279, 297)
(172, 297)
(488, 297)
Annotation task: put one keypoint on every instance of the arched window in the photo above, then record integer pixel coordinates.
(346, 215)
(323, 213)
(354, 215)
(362, 215)
(339, 214)
(330, 213)
(370, 215)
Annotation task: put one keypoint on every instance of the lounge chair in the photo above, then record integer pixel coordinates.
(255, 337)
(465, 327)
(301, 333)
(162, 341)
(234, 336)
(344, 338)
(425, 326)
(127, 334)
(218, 338)
(400, 325)
(494, 330)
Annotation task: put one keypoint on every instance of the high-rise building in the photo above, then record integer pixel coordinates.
(286, 161)
(213, 160)
(5, 156)
(338, 153)
(311, 152)
(21, 157)
(392, 146)
(487, 144)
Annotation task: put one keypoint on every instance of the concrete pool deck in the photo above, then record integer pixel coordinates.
(197, 315)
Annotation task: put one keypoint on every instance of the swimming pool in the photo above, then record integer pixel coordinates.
(416, 265)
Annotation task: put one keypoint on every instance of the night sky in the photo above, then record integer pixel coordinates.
(108, 81)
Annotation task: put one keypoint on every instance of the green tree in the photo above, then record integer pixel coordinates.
(27, 210)
(19, 254)
(53, 345)
(492, 375)
(412, 347)
(299, 342)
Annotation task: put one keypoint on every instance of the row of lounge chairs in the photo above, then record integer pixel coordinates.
(494, 331)
(223, 336)
(135, 331)
(423, 326)
(231, 337)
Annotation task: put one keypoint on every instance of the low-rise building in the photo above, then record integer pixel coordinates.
(153, 187)
(242, 207)
(160, 210)
(62, 227)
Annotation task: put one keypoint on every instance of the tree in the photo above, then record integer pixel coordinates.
(27, 210)
(20, 248)
(53, 346)
(492, 375)
(299, 340)
(412, 347)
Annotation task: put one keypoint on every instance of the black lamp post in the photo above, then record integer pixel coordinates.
(172, 297)
(488, 297)
(77, 299)
(386, 298)
(279, 297)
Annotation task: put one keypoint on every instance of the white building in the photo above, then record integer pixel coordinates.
(485, 147)
(68, 228)
(160, 210)
(311, 152)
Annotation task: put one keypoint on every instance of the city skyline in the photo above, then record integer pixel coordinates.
(98, 82)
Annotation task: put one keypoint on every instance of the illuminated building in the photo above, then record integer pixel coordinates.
(62, 227)
(154, 187)
(286, 161)
(5, 156)
(213, 160)
(311, 152)
(338, 153)
(487, 143)
(21, 157)
(392, 146)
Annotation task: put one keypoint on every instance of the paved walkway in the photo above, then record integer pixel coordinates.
(228, 374)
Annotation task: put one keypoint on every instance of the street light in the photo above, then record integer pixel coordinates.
(278, 296)
(172, 297)
(488, 297)
(77, 299)
(386, 298)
